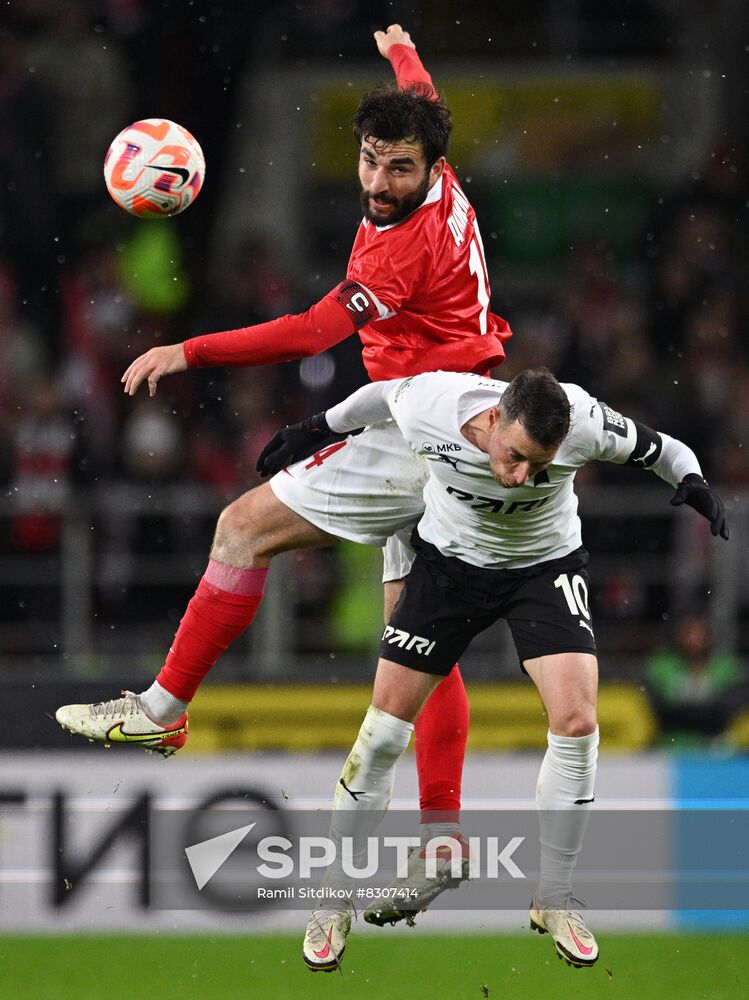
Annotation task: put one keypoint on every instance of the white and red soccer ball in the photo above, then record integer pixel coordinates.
(154, 168)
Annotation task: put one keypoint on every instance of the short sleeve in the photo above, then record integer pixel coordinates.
(410, 401)
(598, 432)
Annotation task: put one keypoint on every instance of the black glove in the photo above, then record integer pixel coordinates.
(295, 442)
(693, 490)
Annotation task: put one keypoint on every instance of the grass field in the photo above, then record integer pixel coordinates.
(407, 967)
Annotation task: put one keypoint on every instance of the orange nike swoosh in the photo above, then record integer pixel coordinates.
(326, 950)
(583, 948)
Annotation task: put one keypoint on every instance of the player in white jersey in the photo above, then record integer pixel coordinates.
(500, 537)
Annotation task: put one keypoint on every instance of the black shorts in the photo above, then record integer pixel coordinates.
(446, 602)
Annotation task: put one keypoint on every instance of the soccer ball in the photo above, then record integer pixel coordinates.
(154, 168)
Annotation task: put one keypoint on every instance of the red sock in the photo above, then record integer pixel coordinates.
(441, 732)
(220, 610)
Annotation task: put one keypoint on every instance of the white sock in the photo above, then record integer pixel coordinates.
(564, 793)
(365, 787)
(160, 706)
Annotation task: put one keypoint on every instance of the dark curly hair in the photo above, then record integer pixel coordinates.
(391, 115)
(537, 401)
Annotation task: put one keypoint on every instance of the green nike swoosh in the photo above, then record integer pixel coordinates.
(116, 735)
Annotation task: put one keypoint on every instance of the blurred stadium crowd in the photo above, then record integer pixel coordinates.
(658, 331)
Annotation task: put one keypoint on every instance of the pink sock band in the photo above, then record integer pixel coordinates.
(233, 580)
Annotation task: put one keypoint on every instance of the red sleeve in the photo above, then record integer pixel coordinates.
(408, 67)
(301, 336)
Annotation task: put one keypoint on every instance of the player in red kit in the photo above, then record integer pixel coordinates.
(417, 293)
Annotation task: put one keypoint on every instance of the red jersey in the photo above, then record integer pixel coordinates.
(416, 291)
(428, 276)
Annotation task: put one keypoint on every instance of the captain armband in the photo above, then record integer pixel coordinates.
(359, 303)
(647, 449)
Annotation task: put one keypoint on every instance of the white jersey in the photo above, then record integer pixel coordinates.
(468, 514)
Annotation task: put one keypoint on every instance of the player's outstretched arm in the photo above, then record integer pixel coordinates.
(151, 366)
(677, 464)
(287, 338)
(620, 439)
(368, 405)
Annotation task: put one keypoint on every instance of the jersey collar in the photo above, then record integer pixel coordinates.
(434, 194)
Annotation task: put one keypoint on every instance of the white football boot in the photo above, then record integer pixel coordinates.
(405, 897)
(325, 938)
(574, 942)
(123, 720)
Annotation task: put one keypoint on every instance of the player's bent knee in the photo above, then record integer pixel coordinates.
(258, 526)
(401, 691)
(243, 531)
(236, 520)
(405, 711)
(576, 723)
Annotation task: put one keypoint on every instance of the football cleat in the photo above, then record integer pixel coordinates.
(574, 942)
(123, 720)
(405, 897)
(325, 938)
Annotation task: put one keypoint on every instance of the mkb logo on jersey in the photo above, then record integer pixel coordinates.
(432, 449)
(397, 637)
